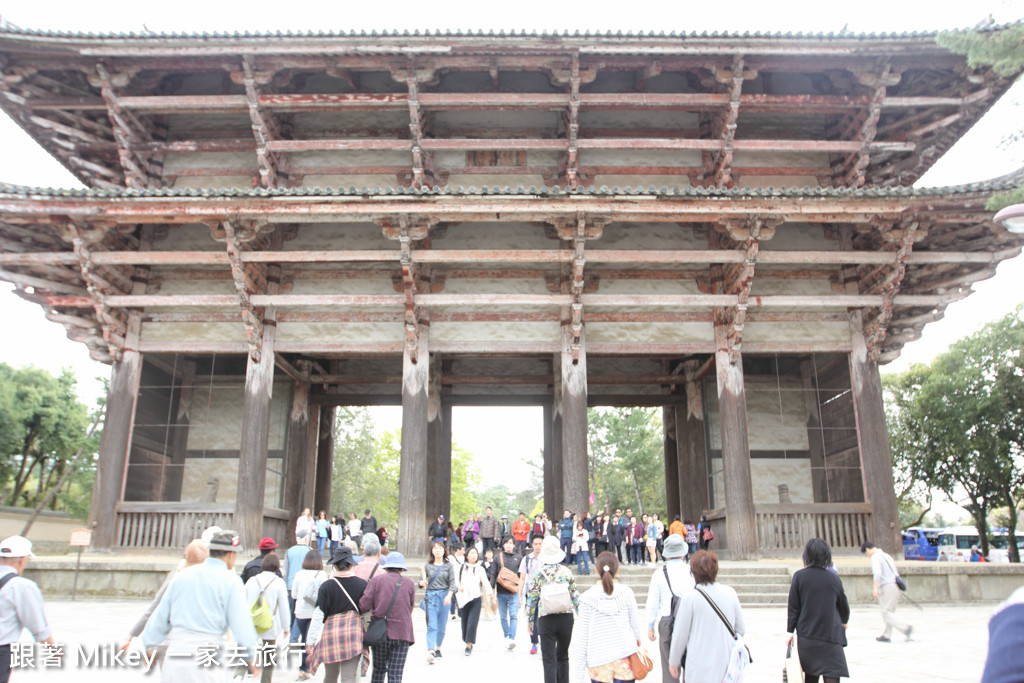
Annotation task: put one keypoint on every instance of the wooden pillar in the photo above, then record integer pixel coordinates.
(815, 446)
(122, 396)
(435, 418)
(296, 450)
(309, 460)
(549, 457)
(732, 410)
(177, 442)
(445, 462)
(324, 461)
(691, 440)
(672, 496)
(575, 484)
(413, 518)
(252, 464)
(875, 456)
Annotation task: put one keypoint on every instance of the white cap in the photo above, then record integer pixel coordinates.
(16, 546)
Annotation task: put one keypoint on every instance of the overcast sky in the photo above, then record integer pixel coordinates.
(500, 435)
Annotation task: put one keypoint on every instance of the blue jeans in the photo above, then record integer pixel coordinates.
(321, 541)
(583, 562)
(437, 618)
(508, 613)
(566, 544)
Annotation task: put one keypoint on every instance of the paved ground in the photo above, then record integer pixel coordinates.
(949, 644)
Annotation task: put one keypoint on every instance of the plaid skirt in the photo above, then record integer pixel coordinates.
(341, 640)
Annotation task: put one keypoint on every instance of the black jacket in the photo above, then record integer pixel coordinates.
(438, 530)
(368, 525)
(616, 533)
(511, 561)
(817, 606)
(252, 568)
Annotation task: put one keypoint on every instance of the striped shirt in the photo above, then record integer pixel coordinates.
(607, 629)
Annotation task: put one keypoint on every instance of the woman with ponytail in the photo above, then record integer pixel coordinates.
(607, 630)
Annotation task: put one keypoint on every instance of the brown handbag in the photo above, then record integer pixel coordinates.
(508, 579)
(640, 664)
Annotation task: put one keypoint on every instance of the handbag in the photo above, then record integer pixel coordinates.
(640, 664)
(508, 579)
(708, 534)
(792, 672)
(739, 653)
(377, 632)
(423, 600)
(309, 596)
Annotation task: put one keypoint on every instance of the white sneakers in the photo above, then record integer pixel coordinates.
(511, 644)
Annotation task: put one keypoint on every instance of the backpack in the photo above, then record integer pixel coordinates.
(555, 598)
(709, 535)
(262, 617)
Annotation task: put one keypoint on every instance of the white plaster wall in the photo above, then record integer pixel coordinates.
(199, 470)
(445, 122)
(641, 181)
(495, 286)
(496, 331)
(358, 182)
(640, 157)
(667, 287)
(670, 236)
(800, 332)
(313, 236)
(193, 332)
(354, 286)
(767, 473)
(175, 162)
(340, 332)
(188, 238)
(764, 286)
(747, 180)
(650, 332)
(495, 236)
(205, 182)
(799, 236)
(216, 420)
(355, 157)
(341, 120)
(180, 125)
(198, 287)
(743, 158)
(776, 416)
(487, 180)
(668, 120)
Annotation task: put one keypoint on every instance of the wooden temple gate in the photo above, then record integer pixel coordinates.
(721, 226)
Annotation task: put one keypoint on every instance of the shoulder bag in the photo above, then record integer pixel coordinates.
(377, 632)
(739, 653)
(423, 600)
(508, 579)
(640, 664)
(312, 591)
(900, 583)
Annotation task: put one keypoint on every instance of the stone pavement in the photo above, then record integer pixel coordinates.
(949, 644)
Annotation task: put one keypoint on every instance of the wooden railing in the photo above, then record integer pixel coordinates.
(173, 525)
(785, 529)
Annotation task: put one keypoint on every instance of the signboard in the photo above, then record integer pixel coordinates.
(82, 537)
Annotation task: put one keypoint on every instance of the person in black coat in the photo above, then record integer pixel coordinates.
(819, 612)
(616, 535)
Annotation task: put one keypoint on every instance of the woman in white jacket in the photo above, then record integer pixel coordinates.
(473, 588)
(276, 594)
(607, 630)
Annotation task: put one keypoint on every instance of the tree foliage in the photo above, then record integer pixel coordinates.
(627, 458)
(957, 424)
(1003, 50)
(42, 427)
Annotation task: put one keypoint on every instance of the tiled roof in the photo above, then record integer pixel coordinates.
(1007, 182)
(480, 33)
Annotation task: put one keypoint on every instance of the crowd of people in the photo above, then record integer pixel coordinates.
(484, 567)
(327, 534)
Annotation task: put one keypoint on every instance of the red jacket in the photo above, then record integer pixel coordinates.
(521, 530)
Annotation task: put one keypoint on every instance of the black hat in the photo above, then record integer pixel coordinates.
(342, 554)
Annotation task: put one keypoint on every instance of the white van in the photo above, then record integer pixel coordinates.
(960, 539)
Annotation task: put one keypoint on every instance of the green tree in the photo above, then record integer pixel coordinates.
(42, 427)
(960, 421)
(627, 458)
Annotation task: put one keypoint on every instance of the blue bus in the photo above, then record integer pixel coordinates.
(921, 543)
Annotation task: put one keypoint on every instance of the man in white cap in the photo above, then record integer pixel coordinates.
(668, 586)
(200, 606)
(21, 603)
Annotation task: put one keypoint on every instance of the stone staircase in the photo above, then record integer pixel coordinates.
(758, 585)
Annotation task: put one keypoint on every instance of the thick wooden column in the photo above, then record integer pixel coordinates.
(435, 417)
(252, 464)
(115, 441)
(875, 456)
(177, 443)
(691, 440)
(672, 496)
(296, 452)
(324, 461)
(549, 457)
(445, 463)
(732, 410)
(575, 485)
(309, 460)
(413, 518)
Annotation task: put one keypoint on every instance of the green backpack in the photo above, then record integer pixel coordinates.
(262, 617)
